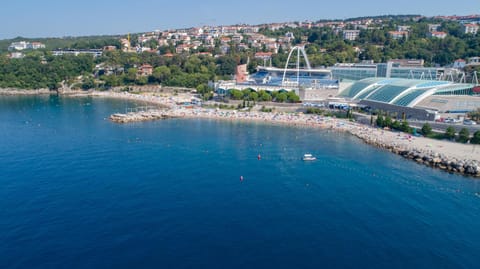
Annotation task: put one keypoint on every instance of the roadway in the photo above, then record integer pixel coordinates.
(442, 127)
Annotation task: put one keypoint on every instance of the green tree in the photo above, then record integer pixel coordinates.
(396, 125)
(404, 127)
(463, 135)
(450, 133)
(253, 96)
(292, 97)
(426, 129)
(380, 121)
(236, 94)
(88, 83)
(161, 73)
(141, 80)
(388, 121)
(476, 138)
(264, 96)
(474, 115)
(281, 97)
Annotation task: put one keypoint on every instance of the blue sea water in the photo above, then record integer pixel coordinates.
(78, 191)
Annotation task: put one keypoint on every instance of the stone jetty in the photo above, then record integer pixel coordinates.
(139, 116)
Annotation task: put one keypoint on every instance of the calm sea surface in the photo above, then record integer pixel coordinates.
(77, 191)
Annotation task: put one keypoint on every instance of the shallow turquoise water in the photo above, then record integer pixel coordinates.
(78, 191)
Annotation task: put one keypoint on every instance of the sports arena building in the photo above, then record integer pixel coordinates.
(420, 99)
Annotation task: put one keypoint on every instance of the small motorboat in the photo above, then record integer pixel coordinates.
(308, 157)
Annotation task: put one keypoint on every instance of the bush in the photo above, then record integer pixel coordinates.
(450, 133)
(463, 135)
(426, 129)
(476, 138)
(380, 121)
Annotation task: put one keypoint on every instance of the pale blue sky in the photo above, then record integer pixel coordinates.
(56, 18)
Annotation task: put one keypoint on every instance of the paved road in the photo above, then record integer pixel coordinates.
(441, 127)
(436, 126)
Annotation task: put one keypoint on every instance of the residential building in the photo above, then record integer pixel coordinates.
(403, 28)
(265, 56)
(35, 45)
(145, 70)
(440, 35)
(351, 34)
(109, 48)
(237, 38)
(241, 73)
(16, 55)
(433, 27)
(474, 60)
(18, 45)
(470, 28)
(182, 48)
(93, 52)
(459, 63)
(398, 34)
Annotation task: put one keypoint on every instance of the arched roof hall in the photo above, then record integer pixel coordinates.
(402, 92)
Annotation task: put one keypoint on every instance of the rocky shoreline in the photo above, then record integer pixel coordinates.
(8, 91)
(428, 158)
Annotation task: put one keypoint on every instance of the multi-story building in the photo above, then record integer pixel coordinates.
(398, 34)
(18, 45)
(440, 35)
(470, 28)
(351, 34)
(403, 28)
(433, 27)
(22, 45)
(145, 70)
(36, 45)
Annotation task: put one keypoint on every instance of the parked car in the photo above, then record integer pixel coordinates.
(469, 122)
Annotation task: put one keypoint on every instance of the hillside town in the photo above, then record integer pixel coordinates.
(220, 40)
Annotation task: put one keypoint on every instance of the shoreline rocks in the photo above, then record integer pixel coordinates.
(7, 91)
(430, 158)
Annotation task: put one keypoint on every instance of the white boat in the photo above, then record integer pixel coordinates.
(308, 157)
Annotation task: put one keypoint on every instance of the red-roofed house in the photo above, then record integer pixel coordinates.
(459, 63)
(470, 28)
(398, 34)
(145, 70)
(441, 35)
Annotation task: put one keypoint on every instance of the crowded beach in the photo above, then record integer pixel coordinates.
(446, 155)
